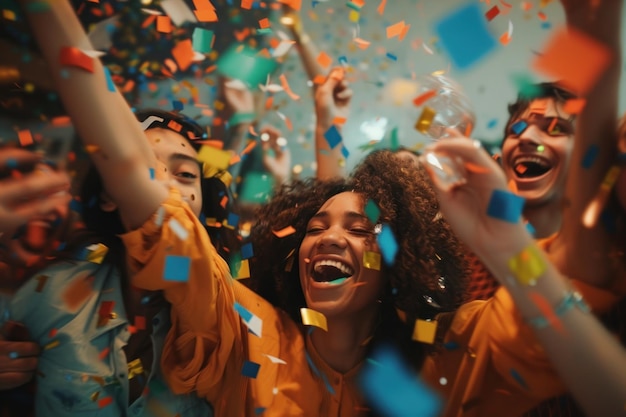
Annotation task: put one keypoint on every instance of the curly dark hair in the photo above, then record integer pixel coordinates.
(429, 273)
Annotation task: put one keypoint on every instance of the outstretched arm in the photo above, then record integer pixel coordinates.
(588, 358)
(581, 251)
(103, 119)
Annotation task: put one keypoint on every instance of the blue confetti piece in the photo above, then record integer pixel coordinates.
(176, 268)
(505, 206)
(259, 410)
(451, 345)
(333, 137)
(394, 390)
(518, 378)
(546, 25)
(318, 373)
(233, 219)
(152, 173)
(250, 369)
(492, 123)
(12, 163)
(247, 251)
(110, 83)
(531, 229)
(388, 245)
(391, 56)
(590, 156)
(177, 105)
(465, 36)
(345, 152)
(343, 60)
(13, 355)
(519, 126)
(243, 312)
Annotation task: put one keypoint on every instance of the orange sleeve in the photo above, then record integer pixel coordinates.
(201, 344)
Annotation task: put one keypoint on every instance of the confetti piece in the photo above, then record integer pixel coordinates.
(78, 291)
(381, 7)
(476, 169)
(519, 126)
(424, 97)
(387, 243)
(425, 331)
(183, 54)
(313, 318)
(561, 58)
(371, 260)
(390, 385)
(202, 40)
(104, 353)
(250, 369)
(106, 401)
(176, 268)
(289, 230)
(25, 137)
(241, 270)
(178, 11)
(518, 378)
(274, 359)
(395, 29)
(324, 60)
(574, 105)
(590, 156)
(505, 206)
(214, 157)
(527, 266)
(247, 251)
(465, 36)
(372, 211)
(164, 24)
(243, 312)
(243, 63)
(492, 13)
(285, 85)
(426, 117)
(41, 282)
(549, 317)
(74, 57)
(96, 253)
(333, 137)
(361, 43)
(140, 322)
(52, 345)
(391, 56)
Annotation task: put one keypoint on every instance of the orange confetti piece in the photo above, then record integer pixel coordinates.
(264, 23)
(542, 16)
(103, 402)
(294, 4)
(505, 38)
(148, 21)
(361, 43)
(405, 30)
(319, 79)
(175, 126)
(183, 54)
(395, 29)
(240, 35)
(424, 97)
(104, 353)
(521, 168)
(561, 59)
(249, 147)
(546, 310)
(505, 4)
(358, 3)
(339, 120)
(476, 169)
(246, 4)
(25, 137)
(269, 102)
(512, 186)
(61, 121)
(574, 105)
(224, 201)
(381, 7)
(206, 15)
(552, 124)
(74, 57)
(324, 60)
(164, 24)
(285, 85)
(289, 230)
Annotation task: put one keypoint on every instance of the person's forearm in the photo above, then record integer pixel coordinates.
(330, 162)
(581, 251)
(307, 50)
(102, 118)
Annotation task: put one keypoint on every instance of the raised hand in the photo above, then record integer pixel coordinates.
(276, 155)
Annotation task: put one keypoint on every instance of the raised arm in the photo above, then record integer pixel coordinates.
(103, 119)
(581, 251)
(588, 358)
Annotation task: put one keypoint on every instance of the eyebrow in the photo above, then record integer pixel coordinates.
(183, 157)
(349, 214)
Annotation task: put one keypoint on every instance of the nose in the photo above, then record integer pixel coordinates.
(332, 237)
(531, 137)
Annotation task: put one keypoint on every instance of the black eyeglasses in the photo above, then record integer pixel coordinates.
(553, 126)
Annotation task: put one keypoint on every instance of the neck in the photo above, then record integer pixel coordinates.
(545, 218)
(345, 343)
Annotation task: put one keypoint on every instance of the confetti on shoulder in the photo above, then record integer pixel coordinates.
(313, 318)
(289, 230)
(276, 360)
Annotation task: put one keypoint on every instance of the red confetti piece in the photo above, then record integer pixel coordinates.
(74, 57)
(492, 13)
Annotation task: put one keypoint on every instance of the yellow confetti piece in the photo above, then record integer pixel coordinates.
(527, 266)
(371, 260)
(214, 157)
(52, 345)
(92, 148)
(313, 318)
(354, 16)
(97, 253)
(95, 396)
(8, 14)
(425, 119)
(425, 331)
(135, 368)
(241, 270)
